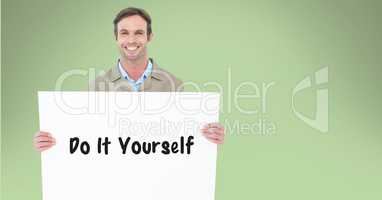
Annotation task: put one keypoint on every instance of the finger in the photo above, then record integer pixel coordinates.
(44, 139)
(212, 140)
(43, 148)
(43, 145)
(213, 136)
(213, 125)
(219, 142)
(42, 133)
(215, 141)
(213, 131)
(219, 127)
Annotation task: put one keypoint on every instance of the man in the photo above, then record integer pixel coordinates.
(135, 71)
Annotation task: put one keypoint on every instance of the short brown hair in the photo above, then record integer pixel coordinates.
(130, 11)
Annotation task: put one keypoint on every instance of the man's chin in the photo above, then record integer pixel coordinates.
(132, 57)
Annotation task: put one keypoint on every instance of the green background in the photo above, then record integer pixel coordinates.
(200, 41)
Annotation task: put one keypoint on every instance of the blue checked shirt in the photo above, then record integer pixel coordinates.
(136, 84)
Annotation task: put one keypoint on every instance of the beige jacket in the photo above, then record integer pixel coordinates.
(159, 80)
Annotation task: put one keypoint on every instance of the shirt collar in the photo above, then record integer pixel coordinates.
(144, 76)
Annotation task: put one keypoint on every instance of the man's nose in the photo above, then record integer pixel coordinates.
(131, 39)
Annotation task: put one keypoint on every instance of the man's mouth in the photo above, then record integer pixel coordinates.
(132, 51)
(133, 48)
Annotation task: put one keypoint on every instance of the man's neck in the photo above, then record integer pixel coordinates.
(135, 69)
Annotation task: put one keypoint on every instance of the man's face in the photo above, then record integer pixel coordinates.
(132, 37)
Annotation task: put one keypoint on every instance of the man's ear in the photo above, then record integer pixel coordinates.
(115, 34)
(150, 37)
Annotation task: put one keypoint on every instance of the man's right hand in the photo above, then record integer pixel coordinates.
(43, 141)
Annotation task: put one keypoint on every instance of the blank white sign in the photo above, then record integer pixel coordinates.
(143, 117)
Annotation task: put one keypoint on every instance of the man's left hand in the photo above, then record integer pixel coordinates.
(214, 132)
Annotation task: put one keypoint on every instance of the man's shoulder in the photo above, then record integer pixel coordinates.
(163, 80)
(165, 75)
(104, 78)
(109, 75)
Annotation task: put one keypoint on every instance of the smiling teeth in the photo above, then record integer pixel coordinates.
(131, 48)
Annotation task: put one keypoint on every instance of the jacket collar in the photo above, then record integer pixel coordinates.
(115, 74)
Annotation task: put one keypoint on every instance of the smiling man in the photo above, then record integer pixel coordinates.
(135, 71)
